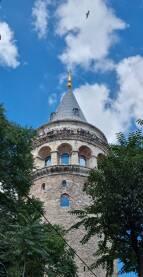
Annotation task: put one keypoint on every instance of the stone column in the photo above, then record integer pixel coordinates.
(54, 158)
(74, 158)
(38, 162)
(92, 162)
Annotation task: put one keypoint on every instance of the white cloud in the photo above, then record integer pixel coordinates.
(130, 96)
(113, 116)
(40, 17)
(98, 108)
(62, 78)
(8, 49)
(87, 40)
(52, 99)
(104, 65)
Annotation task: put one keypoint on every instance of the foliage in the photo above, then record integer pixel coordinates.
(31, 248)
(116, 212)
(28, 246)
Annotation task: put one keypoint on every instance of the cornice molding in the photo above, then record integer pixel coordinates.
(70, 134)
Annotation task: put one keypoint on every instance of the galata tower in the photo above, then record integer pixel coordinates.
(65, 150)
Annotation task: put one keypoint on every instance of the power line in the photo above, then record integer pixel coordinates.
(42, 214)
(1, 264)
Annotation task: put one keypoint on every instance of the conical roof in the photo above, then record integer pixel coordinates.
(68, 107)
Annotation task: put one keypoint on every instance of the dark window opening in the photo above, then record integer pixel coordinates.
(48, 161)
(100, 157)
(52, 115)
(76, 111)
(43, 186)
(64, 183)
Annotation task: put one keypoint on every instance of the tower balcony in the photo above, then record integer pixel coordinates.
(61, 169)
(66, 133)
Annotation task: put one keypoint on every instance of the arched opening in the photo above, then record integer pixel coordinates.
(43, 186)
(52, 115)
(64, 152)
(45, 154)
(76, 111)
(64, 201)
(82, 160)
(84, 155)
(100, 157)
(48, 161)
(64, 183)
(65, 158)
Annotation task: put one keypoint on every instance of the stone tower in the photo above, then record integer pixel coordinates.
(65, 149)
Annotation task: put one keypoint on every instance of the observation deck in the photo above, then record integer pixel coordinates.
(61, 169)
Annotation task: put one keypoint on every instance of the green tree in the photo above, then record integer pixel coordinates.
(28, 246)
(31, 248)
(116, 212)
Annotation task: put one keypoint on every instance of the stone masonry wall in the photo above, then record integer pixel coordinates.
(50, 193)
(58, 215)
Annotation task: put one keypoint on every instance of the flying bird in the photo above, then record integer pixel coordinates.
(87, 14)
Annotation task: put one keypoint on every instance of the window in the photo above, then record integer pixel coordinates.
(84, 156)
(100, 157)
(65, 158)
(48, 161)
(64, 183)
(82, 160)
(76, 111)
(64, 153)
(52, 115)
(43, 186)
(64, 201)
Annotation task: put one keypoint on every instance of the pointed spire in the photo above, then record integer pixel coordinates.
(69, 85)
(68, 107)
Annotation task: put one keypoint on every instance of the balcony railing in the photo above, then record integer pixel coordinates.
(58, 169)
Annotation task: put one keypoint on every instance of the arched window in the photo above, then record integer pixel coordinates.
(64, 201)
(48, 161)
(43, 186)
(100, 157)
(45, 154)
(65, 158)
(82, 160)
(84, 155)
(52, 115)
(64, 183)
(76, 111)
(64, 153)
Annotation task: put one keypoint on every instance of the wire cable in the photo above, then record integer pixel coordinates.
(42, 214)
(1, 264)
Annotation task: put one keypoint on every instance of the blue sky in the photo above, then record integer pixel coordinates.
(131, 274)
(42, 39)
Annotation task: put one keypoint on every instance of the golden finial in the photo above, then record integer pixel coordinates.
(69, 80)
